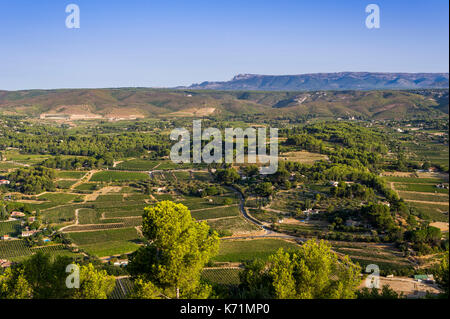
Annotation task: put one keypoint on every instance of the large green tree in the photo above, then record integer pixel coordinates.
(178, 248)
(313, 271)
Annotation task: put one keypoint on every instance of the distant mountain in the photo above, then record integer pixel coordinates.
(330, 81)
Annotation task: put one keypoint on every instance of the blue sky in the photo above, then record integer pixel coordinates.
(165, 43)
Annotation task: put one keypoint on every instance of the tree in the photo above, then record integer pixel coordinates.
(178, 249)
(227, 176)
(311, 272)
(443, 274)
(144, 290)
(264, 189)
(94, 284)
(13, 285)
(44, 277)
(385, 293)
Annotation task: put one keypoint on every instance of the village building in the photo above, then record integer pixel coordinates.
(17, 214)
(4, 263)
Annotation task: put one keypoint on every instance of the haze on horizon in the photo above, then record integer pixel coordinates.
(177, 43)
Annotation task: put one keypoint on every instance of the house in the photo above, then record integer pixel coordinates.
(429, 279)
(17, 214)
(4, 182)
(121, 263)
(31, 219)
(4, 263)
(334, 184)
(5, 237)
(386, 203)
(28, 233)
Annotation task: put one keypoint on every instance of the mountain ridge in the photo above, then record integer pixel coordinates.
(329, 81)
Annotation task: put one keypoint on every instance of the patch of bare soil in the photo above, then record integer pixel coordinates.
(443, 226)
(195, 112)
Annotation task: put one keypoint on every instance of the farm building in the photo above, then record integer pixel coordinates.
(17, 214)
(429, 279)
(4, 263)
(28, 233)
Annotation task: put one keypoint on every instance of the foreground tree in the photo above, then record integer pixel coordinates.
(44, 277)
(177, 251)
(443, 274)
(13, 285)
(311, 272)
(94, 284)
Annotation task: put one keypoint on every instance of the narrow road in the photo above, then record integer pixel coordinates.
(269, 233)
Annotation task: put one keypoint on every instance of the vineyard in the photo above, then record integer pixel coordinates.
(223, 276)
(122, 288)
(9, 228)
(15, 249)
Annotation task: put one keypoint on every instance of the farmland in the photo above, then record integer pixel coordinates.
(328, 178)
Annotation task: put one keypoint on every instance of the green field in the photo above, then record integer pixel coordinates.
(117, 176)
(107, 242)
(9, 228)
(222, 276)
(424, 188)
(243, 250)
(216, 212)
(64, 184)
(234, 224)
(435, 212)
(137, 165)
(70, 174)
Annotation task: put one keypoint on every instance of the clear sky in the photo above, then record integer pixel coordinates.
(165, 43)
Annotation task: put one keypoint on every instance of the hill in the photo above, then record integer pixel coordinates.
(132, 103)
(330, 81)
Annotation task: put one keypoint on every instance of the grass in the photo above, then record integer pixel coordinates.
(117, 176)
(110, 248)
(432, 211)
(423, 188)
(414, 180)
(87, 187)
(137, 165)
(54, 199)
(423, 197)
(216, 213)
(103, 236)
(222, 276)
(244, 250)
(9, 228)
(234, 224)
(70, 174)
(64, 184)
(59, 214)
(88, 216)
(107, 242)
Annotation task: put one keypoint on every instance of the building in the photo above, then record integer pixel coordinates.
(28, 233)
(4, 263)
(6, 237)
(17, 214)
(429, 279)
(4, 182)
(334, 184)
